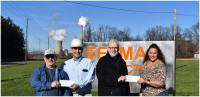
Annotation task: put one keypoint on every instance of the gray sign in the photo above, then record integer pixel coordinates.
(133, 53)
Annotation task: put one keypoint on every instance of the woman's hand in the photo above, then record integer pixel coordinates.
(140, 94)
(141, 80)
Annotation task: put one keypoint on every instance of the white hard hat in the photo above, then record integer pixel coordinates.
(76, 42)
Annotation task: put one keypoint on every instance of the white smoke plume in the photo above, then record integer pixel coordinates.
(56, 15)
(58, 34)
(83, 21)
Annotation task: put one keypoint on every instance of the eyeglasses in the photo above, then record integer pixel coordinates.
(113, 48)
(50, 55)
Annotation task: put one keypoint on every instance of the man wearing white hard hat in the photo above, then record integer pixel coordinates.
(80, 70)
(45, 79)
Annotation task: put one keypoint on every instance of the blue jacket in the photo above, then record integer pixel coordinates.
(39, 83)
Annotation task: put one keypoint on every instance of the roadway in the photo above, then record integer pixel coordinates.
(4, 64)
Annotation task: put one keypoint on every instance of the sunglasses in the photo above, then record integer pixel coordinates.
(50, 55)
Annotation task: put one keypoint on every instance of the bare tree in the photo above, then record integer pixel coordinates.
(158, 33)
(105, 33)
(188, 46)
(150, 34)
(128, 37)
(112, 33)
(186, 42)
(178, 40)
(138, 38)
(88, 34)
(195, 30)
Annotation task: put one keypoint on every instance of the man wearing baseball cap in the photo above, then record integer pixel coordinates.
(45, 79)
(80, 70)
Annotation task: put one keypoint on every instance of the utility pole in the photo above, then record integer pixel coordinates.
(48, 42)
(83, 34)
(174, 23)
(26, 39)
(39, 49)
(39, 46)
(174, 52)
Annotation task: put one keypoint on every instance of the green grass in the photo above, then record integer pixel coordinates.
(187, 77)
(15, 80)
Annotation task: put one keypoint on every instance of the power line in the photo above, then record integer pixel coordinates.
(126, 9)
(31, 33)
(187, 15)
(37, 30)
(6, 16)
(40, 27)
(12, 11)
(116, 8)
(20, 9)
(36, 37)
(19, 12)
(24, 27)
(15, 8)
(28, 16)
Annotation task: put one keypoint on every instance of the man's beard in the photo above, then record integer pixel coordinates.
(114, 55)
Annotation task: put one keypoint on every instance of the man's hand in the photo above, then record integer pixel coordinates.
(121, 78)
(55, 84)
(74, 86)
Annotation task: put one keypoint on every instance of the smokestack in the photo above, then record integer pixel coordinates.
(83, 21)
(58, 49)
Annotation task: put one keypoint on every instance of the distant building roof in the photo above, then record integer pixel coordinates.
(197, 52)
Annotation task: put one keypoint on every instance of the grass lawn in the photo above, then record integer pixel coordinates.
(15, 80)
(187, 77)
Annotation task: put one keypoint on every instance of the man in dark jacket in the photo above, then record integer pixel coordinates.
(111, 70)
(45, 79)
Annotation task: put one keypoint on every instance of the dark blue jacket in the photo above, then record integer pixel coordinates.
(39, 83)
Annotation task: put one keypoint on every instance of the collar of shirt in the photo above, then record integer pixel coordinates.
(79, 59)
(118, 58)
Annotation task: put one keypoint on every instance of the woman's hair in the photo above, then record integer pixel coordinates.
(160, 55)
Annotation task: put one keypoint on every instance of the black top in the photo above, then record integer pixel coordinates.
(108, 71)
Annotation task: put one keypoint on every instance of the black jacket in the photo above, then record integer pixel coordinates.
(108, 71)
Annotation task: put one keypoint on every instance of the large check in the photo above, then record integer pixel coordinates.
(130, 78)
(66, 83)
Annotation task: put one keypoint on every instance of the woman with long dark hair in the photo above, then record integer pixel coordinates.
(153, 74)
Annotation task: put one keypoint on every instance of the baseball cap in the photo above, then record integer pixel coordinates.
(49, 51)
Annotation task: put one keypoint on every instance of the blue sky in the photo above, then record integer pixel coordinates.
(138, 22)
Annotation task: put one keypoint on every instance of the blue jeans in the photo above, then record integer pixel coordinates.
(164, 93)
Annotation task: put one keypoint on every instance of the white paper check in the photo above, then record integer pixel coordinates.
(130, 78)
(66, 83)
